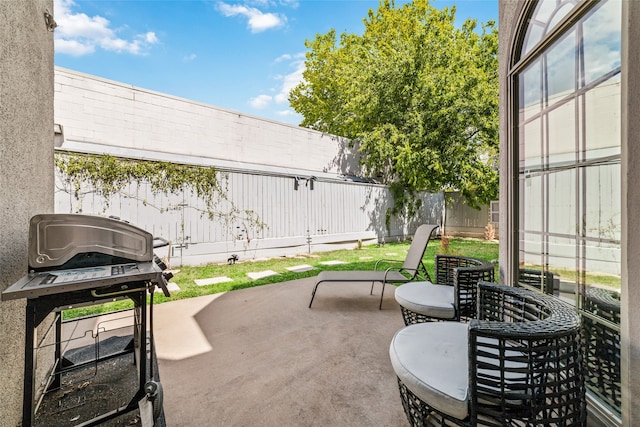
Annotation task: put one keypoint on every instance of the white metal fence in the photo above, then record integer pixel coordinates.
(319, 215)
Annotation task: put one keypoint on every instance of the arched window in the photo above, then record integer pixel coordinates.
(566, 139)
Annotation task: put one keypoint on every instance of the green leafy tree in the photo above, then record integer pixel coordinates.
(417, 96)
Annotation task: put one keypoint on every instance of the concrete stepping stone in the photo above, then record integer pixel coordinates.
(334, 262)
(391, 254)
(213, 280)
(366, 257)
(301, 268)
(172, 287)
(262, 274)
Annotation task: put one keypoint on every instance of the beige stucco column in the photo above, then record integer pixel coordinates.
(508, 15)
(630, 308)
(26, 169)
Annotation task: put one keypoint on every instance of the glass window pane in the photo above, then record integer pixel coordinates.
(603, 264)
(602, 345)
(562, 135)
(562, 203)
(547, 15)
(569, 194)
(545, 10)
(602, 119)
(538, 278)
(601, 41)
(531, 91)
(536, 31)
(531, 145)
(601, 298)
(560, 13)
(603, 208)
(562, 260)
(561, 68)
(531, 251)
(531, 203)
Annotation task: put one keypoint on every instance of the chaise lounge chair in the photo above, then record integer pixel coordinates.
(411, 268)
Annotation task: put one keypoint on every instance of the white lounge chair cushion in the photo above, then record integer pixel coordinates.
(431, 359)
(425, 298)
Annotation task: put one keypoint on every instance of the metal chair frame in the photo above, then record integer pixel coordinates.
(412, 267)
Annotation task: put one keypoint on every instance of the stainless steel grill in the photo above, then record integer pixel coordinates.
(70, 252)
(82, 260)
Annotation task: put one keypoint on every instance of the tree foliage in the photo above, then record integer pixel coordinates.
(417, 95)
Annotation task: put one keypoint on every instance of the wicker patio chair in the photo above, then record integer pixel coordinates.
(518, 364)
(602, 344)
(411, 268)
(538, 279)
(453, 297)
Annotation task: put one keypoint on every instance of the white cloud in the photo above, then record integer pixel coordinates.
(286, 113)
(151, 37)
(290, 81)
(290, 3)
(73, 47)
(190, 57)
(78, 34)
(284, 57)
(260, 101)
(258, 21)
(286, 83)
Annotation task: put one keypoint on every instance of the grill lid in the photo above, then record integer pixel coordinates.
(54, 239)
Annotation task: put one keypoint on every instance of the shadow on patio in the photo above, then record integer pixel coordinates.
(259, 356)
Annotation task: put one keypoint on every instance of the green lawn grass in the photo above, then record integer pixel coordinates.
(363, 258)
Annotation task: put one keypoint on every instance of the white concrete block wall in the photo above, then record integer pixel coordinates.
(95, 110)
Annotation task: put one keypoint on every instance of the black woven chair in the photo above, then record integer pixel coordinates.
(518, 364)
(538, 279)
(453, 297)
(602, 344)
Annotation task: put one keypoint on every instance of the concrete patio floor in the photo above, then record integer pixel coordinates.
(260, 357)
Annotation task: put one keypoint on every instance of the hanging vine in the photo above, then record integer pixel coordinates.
(108, 176)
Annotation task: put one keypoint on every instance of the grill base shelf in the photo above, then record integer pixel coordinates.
(137, 350)
(91, 388)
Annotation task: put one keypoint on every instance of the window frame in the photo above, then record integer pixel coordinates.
(518, 63)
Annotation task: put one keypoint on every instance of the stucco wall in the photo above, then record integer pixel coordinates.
(630, 219)
(26, 171)
(508, 14)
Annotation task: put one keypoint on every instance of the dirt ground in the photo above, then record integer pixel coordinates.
(95, 388)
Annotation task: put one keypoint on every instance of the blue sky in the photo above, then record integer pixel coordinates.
(241, 55)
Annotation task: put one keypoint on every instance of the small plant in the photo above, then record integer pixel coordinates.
(444, 244)
(489, 232)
